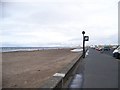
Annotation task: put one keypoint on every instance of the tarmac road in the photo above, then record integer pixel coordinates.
(97, 70)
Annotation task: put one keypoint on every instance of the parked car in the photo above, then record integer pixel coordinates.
(114, 47)
(106, 48)
(116, 53)
(99, 49)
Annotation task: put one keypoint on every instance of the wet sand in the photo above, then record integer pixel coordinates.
(33, 68)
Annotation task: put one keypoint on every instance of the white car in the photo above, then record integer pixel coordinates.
(116, 53)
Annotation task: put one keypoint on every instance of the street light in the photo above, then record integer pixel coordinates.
(85, 38)
(83, 32)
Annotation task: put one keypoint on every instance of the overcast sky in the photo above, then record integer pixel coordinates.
(58, 22)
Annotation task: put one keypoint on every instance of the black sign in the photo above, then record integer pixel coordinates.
(86, 38)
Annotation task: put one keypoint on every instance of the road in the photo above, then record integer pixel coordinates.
(97, 70)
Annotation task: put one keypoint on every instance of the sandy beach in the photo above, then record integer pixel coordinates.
(31, 69)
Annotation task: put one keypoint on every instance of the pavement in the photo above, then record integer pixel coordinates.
(97, 70)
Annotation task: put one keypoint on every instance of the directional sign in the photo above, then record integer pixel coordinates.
(86, 38)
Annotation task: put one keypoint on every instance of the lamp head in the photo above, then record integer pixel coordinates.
(83, 32)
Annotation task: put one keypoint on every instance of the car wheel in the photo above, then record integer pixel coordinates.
(113, 54)
(117, 55)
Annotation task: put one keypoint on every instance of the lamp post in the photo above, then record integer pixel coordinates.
(83, 32)
(85, 38)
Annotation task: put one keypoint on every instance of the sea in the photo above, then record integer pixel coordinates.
(13, 49)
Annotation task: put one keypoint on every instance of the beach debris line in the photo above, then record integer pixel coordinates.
(77, 50)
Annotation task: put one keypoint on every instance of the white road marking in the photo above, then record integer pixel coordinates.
(87, 50)
(87, 53)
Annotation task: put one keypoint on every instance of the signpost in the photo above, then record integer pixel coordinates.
(85, 38)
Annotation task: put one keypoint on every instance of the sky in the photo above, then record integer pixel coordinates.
(42, 23)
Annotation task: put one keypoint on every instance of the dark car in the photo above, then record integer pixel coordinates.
(106, 48)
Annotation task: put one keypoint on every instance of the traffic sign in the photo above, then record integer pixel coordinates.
(86, 38)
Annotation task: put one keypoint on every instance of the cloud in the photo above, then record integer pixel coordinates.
(58, 22)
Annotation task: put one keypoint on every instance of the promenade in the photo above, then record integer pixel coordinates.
(97, 70)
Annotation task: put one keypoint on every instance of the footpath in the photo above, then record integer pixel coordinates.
(97, 70)
(101, 70)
